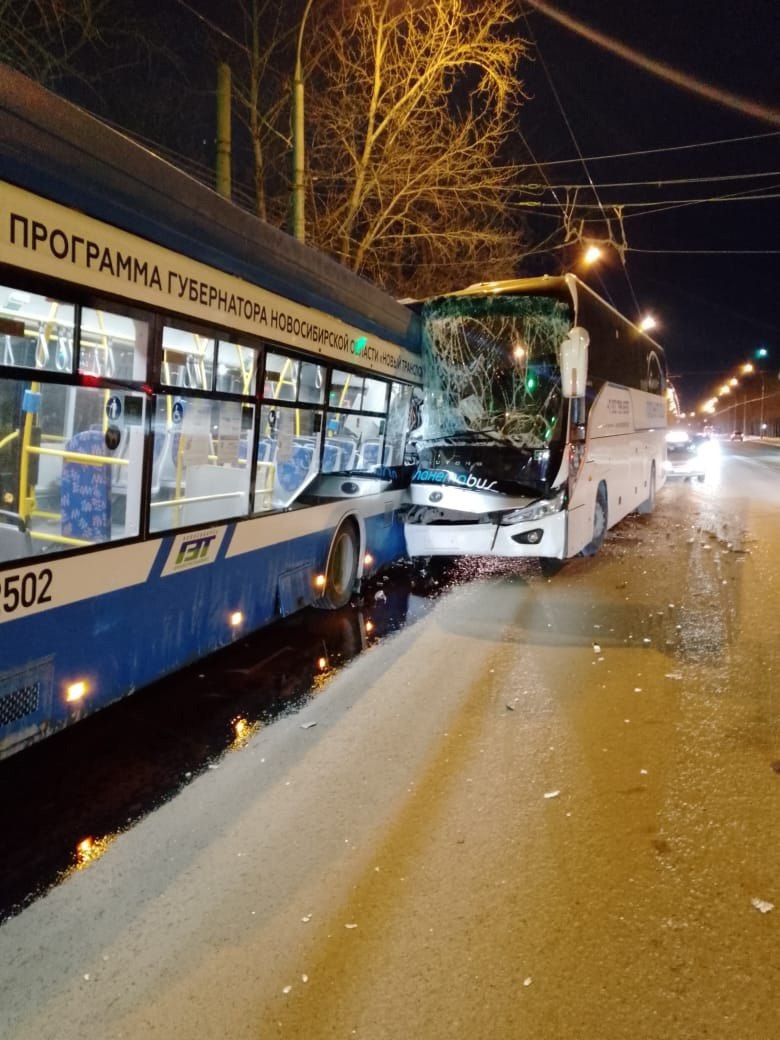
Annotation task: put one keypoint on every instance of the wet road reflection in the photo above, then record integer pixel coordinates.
(66, 799)
(69, 797)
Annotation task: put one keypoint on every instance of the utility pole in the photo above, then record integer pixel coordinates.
(298, 155)
(223, 130)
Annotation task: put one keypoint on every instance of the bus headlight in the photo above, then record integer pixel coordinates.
(537, 510)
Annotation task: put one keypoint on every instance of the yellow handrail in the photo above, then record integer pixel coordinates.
(26, 502)
(61, 539)
(79, 456)
(7, 440)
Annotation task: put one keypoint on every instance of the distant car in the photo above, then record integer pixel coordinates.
(686, 458)
(737, 435)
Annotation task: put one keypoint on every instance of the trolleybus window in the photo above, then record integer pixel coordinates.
(288, 449)
(71, 456)
(201, 440)
(36, 331)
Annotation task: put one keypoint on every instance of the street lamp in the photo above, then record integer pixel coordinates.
(761, 354)
(299, 230)
(592, 254)
(647, 323)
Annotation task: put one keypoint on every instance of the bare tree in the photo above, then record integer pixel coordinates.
(261, 94)
(44, 38)
(408, 108)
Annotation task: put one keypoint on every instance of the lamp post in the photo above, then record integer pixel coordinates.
(298, 220)
(761, 355)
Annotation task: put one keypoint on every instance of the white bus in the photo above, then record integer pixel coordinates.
(542, 424)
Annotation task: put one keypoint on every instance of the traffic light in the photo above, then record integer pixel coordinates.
(760, 353)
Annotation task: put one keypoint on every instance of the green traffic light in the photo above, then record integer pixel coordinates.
(762, 352)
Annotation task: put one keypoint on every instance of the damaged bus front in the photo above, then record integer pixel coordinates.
(511, 453)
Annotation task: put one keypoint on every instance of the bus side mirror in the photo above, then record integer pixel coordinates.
(574, 363)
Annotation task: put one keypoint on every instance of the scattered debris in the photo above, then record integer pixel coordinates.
(286, 989)
(350, 926)
(596, 648)
(762, 905)
(380, 597)
(308, 725)
(551, 794)
(776, 765)
(304, 978)
(306, 919)
(509, 707)
(528, 981)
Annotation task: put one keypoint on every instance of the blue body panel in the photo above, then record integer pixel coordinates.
(126, 639)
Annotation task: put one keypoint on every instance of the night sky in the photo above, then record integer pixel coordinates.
(713, 310)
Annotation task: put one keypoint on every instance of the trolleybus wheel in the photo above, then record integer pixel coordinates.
(342, 568)
(599, 522)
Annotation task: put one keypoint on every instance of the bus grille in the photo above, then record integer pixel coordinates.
(19, 702)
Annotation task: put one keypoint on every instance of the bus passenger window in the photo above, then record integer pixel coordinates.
(35, 331)
(70, 463)
(201, 468)
(397, 424)
(188, 359)
(112, 345)
(236, 369)
(288, 455)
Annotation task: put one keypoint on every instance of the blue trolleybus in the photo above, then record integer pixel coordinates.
(202, 421)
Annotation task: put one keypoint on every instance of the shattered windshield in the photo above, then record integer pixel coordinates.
(492, 369)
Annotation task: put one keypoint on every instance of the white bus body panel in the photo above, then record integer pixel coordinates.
(488, 539)
(625, 442)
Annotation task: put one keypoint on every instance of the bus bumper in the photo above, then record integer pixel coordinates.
(531, 538)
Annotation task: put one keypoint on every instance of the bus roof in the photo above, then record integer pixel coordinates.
(57, 150)
(565, 287)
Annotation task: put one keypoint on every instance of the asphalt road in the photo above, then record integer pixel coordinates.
(549, 809)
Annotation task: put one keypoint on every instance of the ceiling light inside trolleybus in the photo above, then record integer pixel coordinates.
(76, 691)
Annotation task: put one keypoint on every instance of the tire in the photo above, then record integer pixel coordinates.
(439, 567)
(648, 505)
(342, 568)
(600, 522)
(550, 566)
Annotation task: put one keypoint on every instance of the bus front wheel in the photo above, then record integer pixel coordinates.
(600, 522)
(550, 566)
(342, 568)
